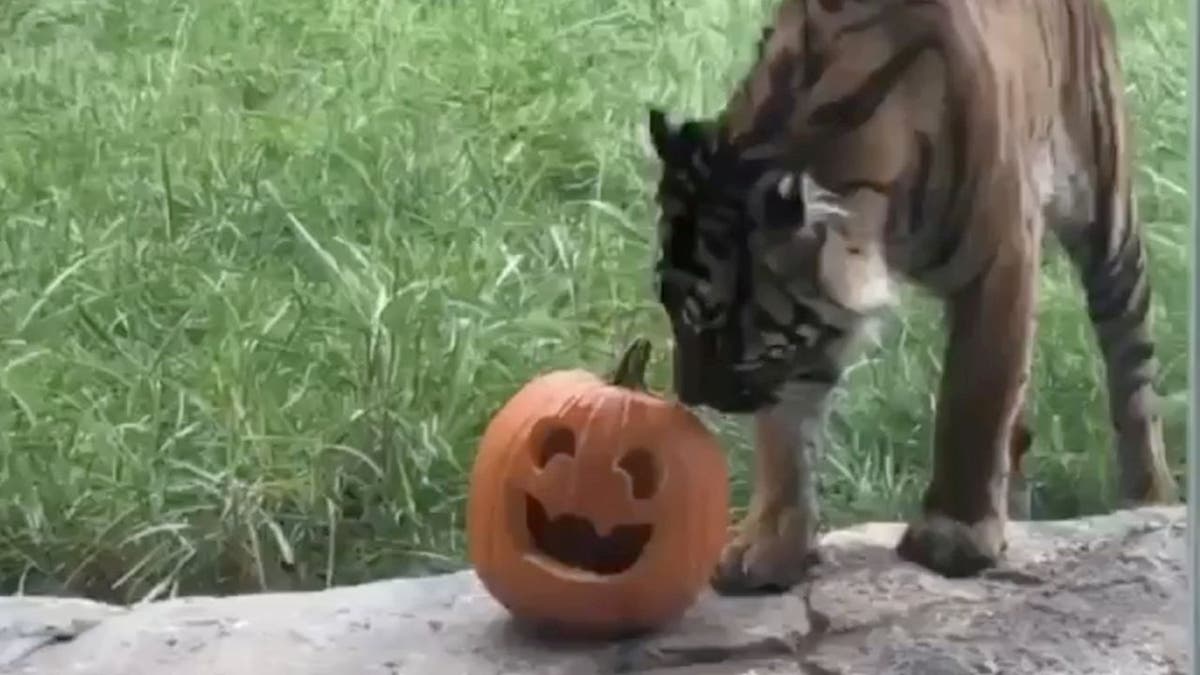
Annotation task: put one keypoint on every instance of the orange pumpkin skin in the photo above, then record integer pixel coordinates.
(611, 456)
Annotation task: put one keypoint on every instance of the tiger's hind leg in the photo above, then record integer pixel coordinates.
(1110, 257)
(985, 370)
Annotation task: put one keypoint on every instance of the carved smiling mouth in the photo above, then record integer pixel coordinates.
(572, 541)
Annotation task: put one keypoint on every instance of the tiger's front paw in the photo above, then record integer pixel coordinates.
(769, 554)
(953, 548)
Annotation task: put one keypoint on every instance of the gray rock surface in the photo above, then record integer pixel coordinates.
(1099, 595)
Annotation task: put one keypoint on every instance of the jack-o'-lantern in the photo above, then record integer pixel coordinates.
(595, 506)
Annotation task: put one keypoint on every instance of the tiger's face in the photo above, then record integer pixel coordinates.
(742, 247)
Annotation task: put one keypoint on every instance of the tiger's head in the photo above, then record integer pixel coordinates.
(759, 270)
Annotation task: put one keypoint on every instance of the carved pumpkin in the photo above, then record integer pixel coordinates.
(596, 507)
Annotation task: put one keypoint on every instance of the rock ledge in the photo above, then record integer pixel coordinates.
(1102, 595)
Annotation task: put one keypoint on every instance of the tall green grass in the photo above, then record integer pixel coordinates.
(266, 271)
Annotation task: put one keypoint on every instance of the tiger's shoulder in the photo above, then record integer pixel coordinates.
(823, 65)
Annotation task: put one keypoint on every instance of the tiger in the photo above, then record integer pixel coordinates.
(880, 143)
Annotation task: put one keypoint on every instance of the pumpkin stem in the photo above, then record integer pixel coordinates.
(631, 369)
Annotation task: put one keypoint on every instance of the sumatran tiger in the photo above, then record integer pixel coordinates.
(924, 141)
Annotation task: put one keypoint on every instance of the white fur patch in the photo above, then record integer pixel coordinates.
(853, 267)
(1062, 186)
(855, 274)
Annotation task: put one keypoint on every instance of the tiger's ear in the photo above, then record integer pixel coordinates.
(663, 134)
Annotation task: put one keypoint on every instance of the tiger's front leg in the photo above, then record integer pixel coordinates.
(776, 542)
(986, 366)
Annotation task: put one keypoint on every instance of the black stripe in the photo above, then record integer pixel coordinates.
(681, 248)
(774, 113)
(718, 247)
(884, 14)
(916, 212)
(1107, 169)
(710, 310)
(962, 189)
(919, 4)
(846, 187)
(767, 32)
(1111, 292)
(1102, 265)
(1045, 38)
(1140, 309)
(733, 341)
(1133, 357)
(827, 376)
(863, 24)
(802, 316)
(1072, 35)
(1129, 232)
(853, 110)
(679, 184)
(815, 62)
(764, 321)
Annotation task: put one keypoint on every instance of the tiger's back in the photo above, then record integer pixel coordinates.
(928, 140)
(946, 91)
